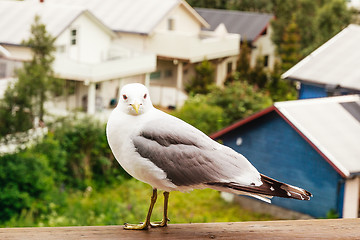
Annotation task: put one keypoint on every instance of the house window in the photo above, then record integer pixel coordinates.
(73, 37)
(2, 70)
(155, 75)
(168, 73)
(264, 32)
(171, 24)
(98, 86)
(229, 67)
(266, 60)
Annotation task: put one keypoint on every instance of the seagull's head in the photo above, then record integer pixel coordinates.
(134, 99)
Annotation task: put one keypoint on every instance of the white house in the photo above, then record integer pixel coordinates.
(172, 30)
(88, 57)
(355, 4)
(253, 27)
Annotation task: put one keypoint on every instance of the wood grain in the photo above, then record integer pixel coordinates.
(293, 229)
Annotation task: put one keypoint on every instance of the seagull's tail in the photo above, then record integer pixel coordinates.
(269, 188)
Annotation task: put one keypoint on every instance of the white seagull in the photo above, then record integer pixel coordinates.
(171, 155)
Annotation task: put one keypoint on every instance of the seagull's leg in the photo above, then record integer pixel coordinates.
(165, 219)
(146, 224)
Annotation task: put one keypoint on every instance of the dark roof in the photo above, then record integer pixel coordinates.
(330, 125)
(335, 63)
(248, 24)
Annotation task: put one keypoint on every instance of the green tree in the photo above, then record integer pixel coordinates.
(239, 100)
(305, 16)
(317, 21)
(243, 64)
(258, 74)
(15, 112)
(220, 4)
(283, 11)
(332, 17)
(251, 5)
(198, 112)
(290, 47)
(25, 99)
(280, 89)
(204, 76)
(36, 78)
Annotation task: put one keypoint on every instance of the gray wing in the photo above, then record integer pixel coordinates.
(189, 157)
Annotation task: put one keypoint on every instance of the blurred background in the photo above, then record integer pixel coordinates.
(278, 81)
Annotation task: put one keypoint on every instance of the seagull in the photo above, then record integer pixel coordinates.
(171, 155)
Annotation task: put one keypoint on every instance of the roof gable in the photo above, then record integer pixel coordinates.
(248, 24)
(330, 125)
(334, 63)
(132, 16)
(15, 29)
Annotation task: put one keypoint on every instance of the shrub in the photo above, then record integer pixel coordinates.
(24, 178)
(88, 157)
(199, 113)
(204, 76)
(238, 100)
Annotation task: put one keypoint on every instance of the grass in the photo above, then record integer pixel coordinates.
(128, 202)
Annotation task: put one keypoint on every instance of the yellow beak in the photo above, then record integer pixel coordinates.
(136, 107)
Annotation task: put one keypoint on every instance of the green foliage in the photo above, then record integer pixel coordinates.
(25, 99)
(305, 19)
(88, 157)
(251, 5)
(36, 77)
(332, 214)
(243, 64)
(243, 5)
(24, 178)
(129, 202)
(239, 100)
(289, 49)
(51, 149)
(258, 74)
(204, 76)
(74, 155)
(221, 4)
(280, 89)
(198, 112)
(223, 106)
(316, 21)
(332, 17)
(15, 114)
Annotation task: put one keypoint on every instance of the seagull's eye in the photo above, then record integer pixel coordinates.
(145, 95)
(124, 97)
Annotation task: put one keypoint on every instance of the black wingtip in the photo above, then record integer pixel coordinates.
(285, 190)
(270, 187)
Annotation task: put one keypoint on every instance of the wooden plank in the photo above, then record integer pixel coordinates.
(294, 229)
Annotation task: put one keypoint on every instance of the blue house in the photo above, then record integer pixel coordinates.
(332, 69)
(313, 144)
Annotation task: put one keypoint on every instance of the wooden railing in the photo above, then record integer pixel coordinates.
(293, 229)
